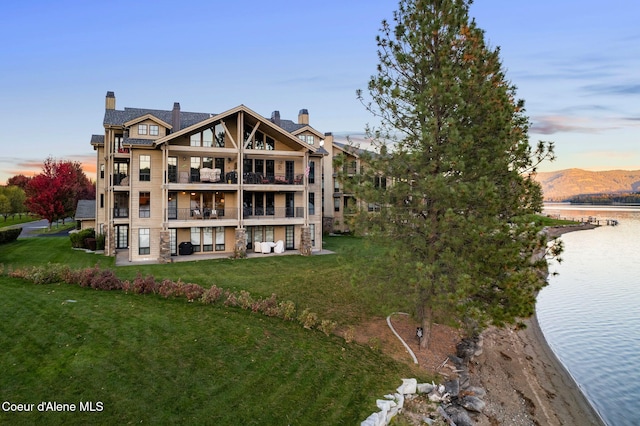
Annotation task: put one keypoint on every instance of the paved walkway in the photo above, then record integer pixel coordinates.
(122, 256)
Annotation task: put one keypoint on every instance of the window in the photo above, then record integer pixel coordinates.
(142, 129)
(289, 234)
(312, 202)
(144, 243)
(122, 236)
(312, 231)
(172, 169)
(195, 169)
(101, 201)
(101, 171)
(336, 204)
(207, 138)
(145, 204)
(207, 239)
(218, 132)
(312, 172)
(145, 168)
(271, 144)
(220, 238)
(194, 140)
(195, 239)
(310, 139)
(154, 130)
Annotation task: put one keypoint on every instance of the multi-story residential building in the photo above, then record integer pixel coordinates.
(172, 182)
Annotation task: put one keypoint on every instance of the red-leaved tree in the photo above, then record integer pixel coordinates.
(55, 192)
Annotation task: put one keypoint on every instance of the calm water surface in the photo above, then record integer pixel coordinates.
(590, 312)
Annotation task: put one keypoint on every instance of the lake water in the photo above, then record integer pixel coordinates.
(590, 312)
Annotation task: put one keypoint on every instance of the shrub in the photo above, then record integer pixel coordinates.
(78, 238)
(268, 306)
(308, 319)
(231, 299)
(350, 334)
(287, 310)
(211, 295)
(192, 291)
(106, 279)
(327, 326)
(245, 300)
(146, 285)
(49, 274)
(100, 238)
(9, 235)
(168, 288)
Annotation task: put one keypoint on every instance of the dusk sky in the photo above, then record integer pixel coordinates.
(576, 64)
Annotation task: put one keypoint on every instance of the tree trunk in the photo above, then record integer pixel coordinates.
(427, 322)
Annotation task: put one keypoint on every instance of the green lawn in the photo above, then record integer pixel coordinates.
(153, 360)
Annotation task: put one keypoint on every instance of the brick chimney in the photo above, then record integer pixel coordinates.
(275, 118)
(110, 101)
(175, 117)
(303, 117)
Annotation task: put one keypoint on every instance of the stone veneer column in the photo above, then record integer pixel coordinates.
(240, 249)
(165, 248)
(112, 241)
(305, 241)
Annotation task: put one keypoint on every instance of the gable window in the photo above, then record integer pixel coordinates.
(194, 140)
(218, 132)
(145, 168)
(270, 144)
(145, 204)
(207, 138)
(142, 129)
(154, 130)
(310, 139)
(144, 242)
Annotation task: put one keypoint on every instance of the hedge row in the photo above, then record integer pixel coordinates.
(9, 235)
(106, 279)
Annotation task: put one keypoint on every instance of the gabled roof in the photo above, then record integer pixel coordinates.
(148, 117)
(214, 118)
(349, 149)
(306, 128)
(114, 117)
(86, 209)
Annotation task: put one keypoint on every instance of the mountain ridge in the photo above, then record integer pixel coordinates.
(563, 184)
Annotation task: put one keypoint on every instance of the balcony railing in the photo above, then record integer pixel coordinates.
(120, 212)
(272, 213)
(232, 178)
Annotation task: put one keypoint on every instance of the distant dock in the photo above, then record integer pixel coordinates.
(591, 220)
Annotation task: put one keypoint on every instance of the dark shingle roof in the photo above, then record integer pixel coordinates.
(290, 126)
(86, 209)
(116, 117)
(97, 139)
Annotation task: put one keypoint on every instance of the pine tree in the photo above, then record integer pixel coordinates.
(453, 144)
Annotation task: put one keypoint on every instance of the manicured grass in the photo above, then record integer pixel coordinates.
(322, 283)
(159, 361)
(16, 220)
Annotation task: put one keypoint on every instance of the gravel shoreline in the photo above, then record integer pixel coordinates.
(526, 384)
(525, 381)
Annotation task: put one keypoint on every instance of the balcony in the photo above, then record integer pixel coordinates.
(268, 213)
(120, 212)
(202, 214)
(232, 178)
